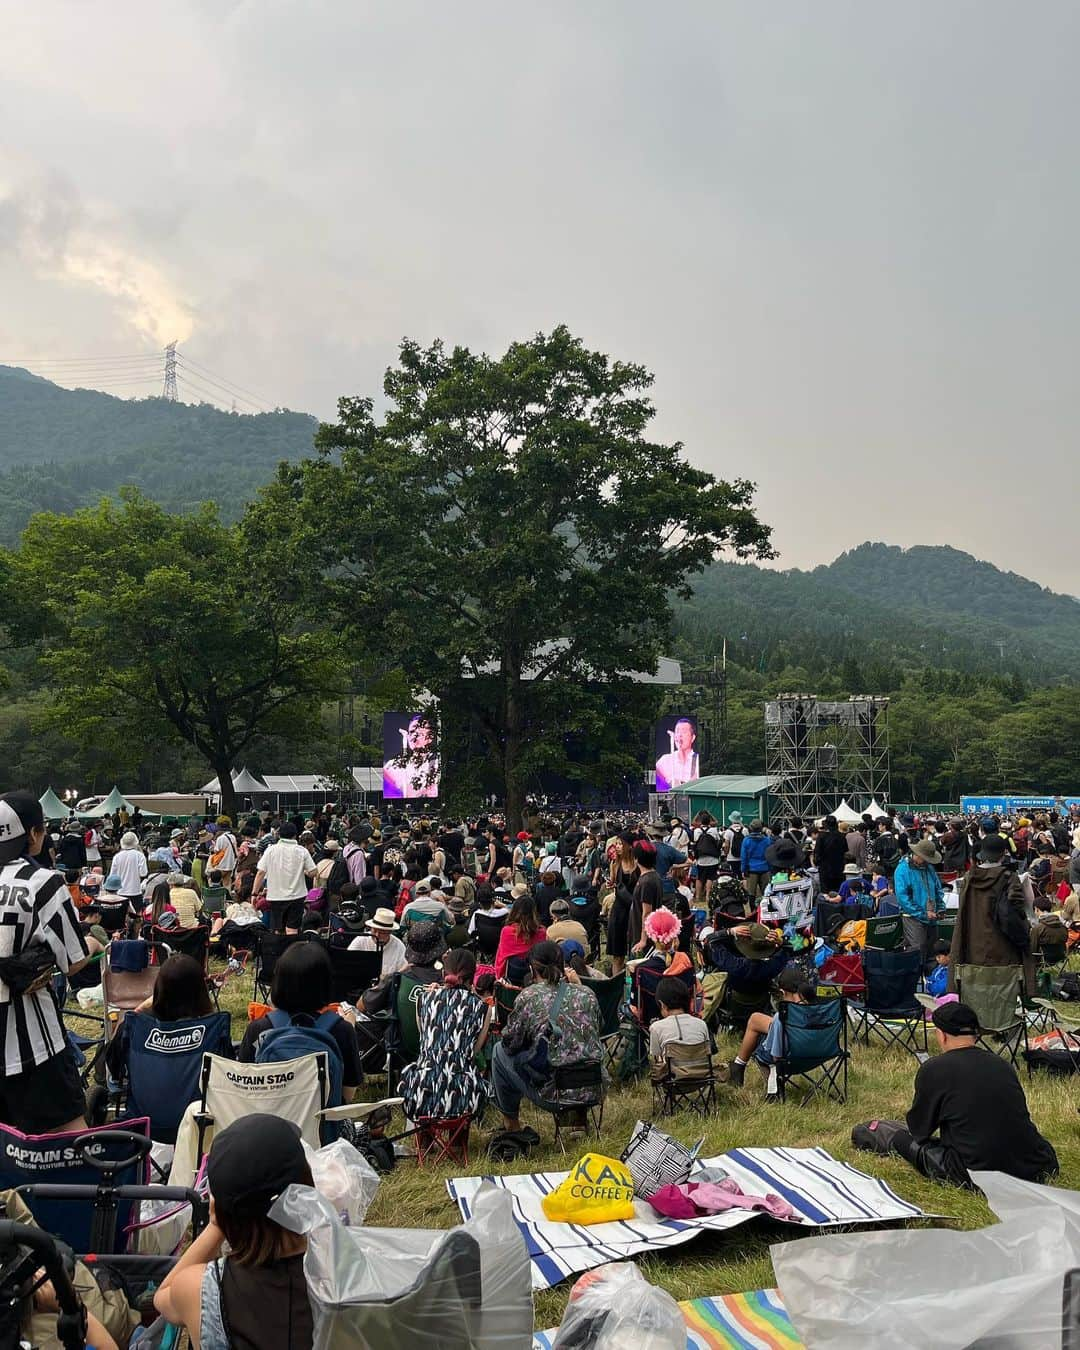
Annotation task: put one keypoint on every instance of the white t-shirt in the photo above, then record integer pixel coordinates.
(225, 839)
(130, 866)
(287, 865)
(393, 952)
(678, 1027)
(495, 912)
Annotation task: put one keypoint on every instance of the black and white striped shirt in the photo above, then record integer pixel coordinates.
(35, 909)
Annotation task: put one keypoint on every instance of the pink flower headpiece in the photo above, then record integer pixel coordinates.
(662, 927)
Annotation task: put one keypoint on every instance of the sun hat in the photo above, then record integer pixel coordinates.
(785, 855)
(177, 834)
(112, 884)
(735, 818)
(518, 892)
(423, 887)
(758, 944)
(852, 870)
(992, 848)
(456, 904)
(331, 846)
(383, 919)
(424, 944)
(924, 848)
(252, 1161)
(129, 839)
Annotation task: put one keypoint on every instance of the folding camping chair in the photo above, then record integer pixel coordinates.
(505, 998)
(586, 1076)
(402, 1033)
(163, 1066)
(845, 971)
(269, 949)
(124, 990)
(487, 929)
(814, 1049)
(193, 942)
(295, 1089)
(996, 996)
(889, 1008)
(353, 972)
(684, 1079)
(887, 934)
(609, 995)
(442, 1139)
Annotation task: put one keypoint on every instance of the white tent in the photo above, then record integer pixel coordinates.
(845, 815)
(874, 809)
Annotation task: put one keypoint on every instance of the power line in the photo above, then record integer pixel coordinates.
(209, 379)
(58, 361)
(186, 382)
(257, 397)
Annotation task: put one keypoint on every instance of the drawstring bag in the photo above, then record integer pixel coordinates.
(596, 1190)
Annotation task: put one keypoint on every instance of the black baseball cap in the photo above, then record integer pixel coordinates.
(252, 1161)
(954, 1019)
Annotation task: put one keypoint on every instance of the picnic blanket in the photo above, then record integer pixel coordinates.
(753, 1321)
(823, 1192)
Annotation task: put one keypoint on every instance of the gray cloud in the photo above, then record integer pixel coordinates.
(840, 233)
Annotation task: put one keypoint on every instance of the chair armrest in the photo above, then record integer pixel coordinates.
(358, 1110)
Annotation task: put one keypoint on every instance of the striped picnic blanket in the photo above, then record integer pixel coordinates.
(822, 1191)
(753, 1321)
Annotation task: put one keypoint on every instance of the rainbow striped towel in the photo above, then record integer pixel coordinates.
(822, 1191)
(753, 1321)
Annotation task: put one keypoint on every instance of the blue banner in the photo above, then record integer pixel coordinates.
(1007, 806)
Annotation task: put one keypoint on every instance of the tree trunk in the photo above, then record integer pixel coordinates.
(228, 793)
(513, 788)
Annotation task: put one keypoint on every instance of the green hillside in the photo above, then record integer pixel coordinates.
(884, 609)
(64, 448)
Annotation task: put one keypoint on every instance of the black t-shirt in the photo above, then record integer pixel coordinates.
(451, 844)
(341, 1031)
(71, 852)
(972, 1100)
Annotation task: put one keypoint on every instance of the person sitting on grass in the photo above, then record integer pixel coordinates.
(676, 1022)
(969, 1112)
(256, 1297)
(555, 1005)
(521, 932)
(762, 1039)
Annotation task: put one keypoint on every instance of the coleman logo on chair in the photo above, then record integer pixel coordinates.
(177, 1042)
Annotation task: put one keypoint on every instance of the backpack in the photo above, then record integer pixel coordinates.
(337, 877)
(706, 846)
(291, 1037)
(735, 848)
(886, 851)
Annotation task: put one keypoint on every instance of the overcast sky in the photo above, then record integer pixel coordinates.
(842, 234)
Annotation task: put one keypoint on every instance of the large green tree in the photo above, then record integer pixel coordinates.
(508, 534)
(154, 625)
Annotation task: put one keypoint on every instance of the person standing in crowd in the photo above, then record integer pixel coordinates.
(130, 868)
(756, 872)
(706, 849)
(40, 1092)
(624, 878)
(283, 872)
(648, 894)
(226, 851)
(667, 857)
(830, 855)
(919, 892)
(954, 847)
(978, 940)
(355, 859)
(733, 837)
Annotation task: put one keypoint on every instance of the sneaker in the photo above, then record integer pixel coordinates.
(736, 1074)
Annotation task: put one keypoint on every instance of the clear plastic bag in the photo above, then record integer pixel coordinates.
(468, 1287)
(614, 1307)
(1000, 1286)
(344, 1177)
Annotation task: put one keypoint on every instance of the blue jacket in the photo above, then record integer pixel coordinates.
(752, 856)
(917, 888)
(666, 858)
(937, 982)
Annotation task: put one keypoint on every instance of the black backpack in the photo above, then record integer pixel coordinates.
(737, 836)
(337, 877)
(886, 852)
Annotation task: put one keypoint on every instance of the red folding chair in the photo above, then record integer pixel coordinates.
(845, 970)
(441, 1139)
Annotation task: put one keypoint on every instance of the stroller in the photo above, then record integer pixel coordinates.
(24, 1250)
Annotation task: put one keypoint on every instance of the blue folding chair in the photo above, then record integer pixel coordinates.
(815, 1053)
(889, 1009)
(162, 1065)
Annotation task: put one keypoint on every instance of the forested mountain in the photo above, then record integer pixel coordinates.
(63, 448)
(881, 610)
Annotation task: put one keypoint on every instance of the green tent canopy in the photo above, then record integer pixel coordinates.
(115, 801)
(53, 807)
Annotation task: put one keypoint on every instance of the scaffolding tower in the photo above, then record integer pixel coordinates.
(819, 752)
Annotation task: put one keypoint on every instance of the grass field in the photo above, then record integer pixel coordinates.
(879, 1085)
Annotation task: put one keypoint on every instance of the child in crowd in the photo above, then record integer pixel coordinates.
(937, 982)
(761, 1040)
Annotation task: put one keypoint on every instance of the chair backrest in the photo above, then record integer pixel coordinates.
(214, 899)
(164, 1065)
(586, 1073)
(353, 972)
(407, 996)
(34, 1159)
(688, 1062)
(1053, 954)
(193, 942)
(813, 1032)
(992, 993)
(887, 933)
(892, 979)
(487, 930)
(125, 989)
(294, 1089)
(271, 947)
(845, 970)
(609, 994)
(505, 998)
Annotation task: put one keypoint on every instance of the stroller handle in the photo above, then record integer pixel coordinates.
(138, 1143)
(71, 1322)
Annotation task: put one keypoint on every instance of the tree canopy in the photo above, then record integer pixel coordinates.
(510, 536)
(154, 625)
